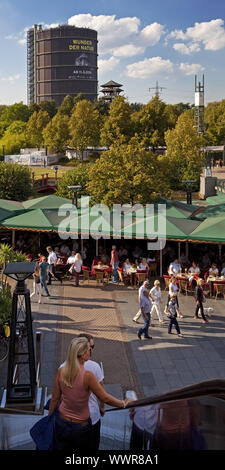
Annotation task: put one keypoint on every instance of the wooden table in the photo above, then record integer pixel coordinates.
(221, 282)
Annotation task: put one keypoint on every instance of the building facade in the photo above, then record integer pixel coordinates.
(61, 61)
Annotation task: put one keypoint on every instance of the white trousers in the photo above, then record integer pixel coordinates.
(156, 306)
(36, 290)
(138, 314)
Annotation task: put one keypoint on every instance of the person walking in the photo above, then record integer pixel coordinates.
(173, 310)
(72, 387)
(44, 274)
(156, 295)
(76, 268)
(199, 295)
(52, 260)
(37, 284)
(144, 286)
(145, 305)
(173, 289)
(114, 263)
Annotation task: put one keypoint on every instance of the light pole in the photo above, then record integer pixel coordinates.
(21, 351)
(75, 190)
(189, 190)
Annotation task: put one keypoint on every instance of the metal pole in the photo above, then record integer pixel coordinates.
(178, 250)
(161, 259)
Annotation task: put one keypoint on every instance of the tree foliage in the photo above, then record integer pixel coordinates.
(78, 176)
(84, 126)
(118, 123)
(127, 173)
(35, 126)
(185, 159)
(56, 134)
(15, 182)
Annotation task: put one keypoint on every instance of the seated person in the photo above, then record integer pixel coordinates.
(174, 267)
(206, 261)
(194, 270)
(69, 262)
(105, 259)
(213, 271)
(64, 250)
(137, 252)
(143, 266)
(122, 252)
(126, 265)
(223, 272)
(183, 259)
(151, 258)
(20, 244)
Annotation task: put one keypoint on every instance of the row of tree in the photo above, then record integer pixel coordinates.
(79, 123)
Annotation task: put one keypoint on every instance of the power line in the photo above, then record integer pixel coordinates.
(158, 89)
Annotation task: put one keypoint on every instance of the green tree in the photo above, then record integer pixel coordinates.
(15, 112)
(49, 106)
(66, 106)
(79, 175)
(118, 123)
(56, 134)
(35, 126)
(214, 118)
(185, 159)
(127, 173)
(102, 106)
(84, 126)
(15, 182)
(14, 137)
(151, 122)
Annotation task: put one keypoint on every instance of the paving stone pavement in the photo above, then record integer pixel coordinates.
(149, 367)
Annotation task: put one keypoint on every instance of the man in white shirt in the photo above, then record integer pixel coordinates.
(174, 268)
(52, 260)
(143, 287)
(69, 262)
(96, 407)
(146, 306)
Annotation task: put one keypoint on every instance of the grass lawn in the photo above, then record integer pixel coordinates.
(38, 171)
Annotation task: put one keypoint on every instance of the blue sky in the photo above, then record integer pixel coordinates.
(140, 42)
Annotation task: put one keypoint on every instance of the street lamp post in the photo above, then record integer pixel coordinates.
(189, 184)
(75, 190)
(21, 347)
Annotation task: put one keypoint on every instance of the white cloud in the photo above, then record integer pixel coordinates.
(106, 65)
(111, 31)
(186, 49)
(115, 34)
(210, 33)
(152, 33)
(191, 69)
(148, 67)
(11, 78)
(128, 50)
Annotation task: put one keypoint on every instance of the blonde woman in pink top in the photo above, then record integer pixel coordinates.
(72, 387)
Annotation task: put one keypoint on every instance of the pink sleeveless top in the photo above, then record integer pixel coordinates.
(74, 400)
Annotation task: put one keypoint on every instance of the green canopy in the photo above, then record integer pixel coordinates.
(46, 202)
(178, 209)
(210, 230)
(11, 206)
(37, 220)
(217, 210)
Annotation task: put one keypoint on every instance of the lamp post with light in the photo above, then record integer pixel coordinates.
(21, 347)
